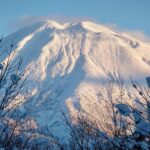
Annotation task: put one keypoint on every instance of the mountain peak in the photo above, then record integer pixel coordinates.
(94, 27)
(70, 63)
(86, 25)
(53, 24)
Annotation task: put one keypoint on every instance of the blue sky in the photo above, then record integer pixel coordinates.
(126, 14)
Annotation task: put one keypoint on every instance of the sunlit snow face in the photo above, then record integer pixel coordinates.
(74, 61)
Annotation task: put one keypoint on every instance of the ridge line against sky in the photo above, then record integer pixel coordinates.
(126, 14)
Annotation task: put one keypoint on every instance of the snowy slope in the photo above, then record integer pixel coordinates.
(72, 62)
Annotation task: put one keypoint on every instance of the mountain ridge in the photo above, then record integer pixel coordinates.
(73, 62)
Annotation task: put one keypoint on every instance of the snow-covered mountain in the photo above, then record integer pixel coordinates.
(70, 64)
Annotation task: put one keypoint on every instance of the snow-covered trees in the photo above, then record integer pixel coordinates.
(127, 129)
(12, 81)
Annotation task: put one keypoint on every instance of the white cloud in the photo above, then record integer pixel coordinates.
(137, 34)
(28, 20)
